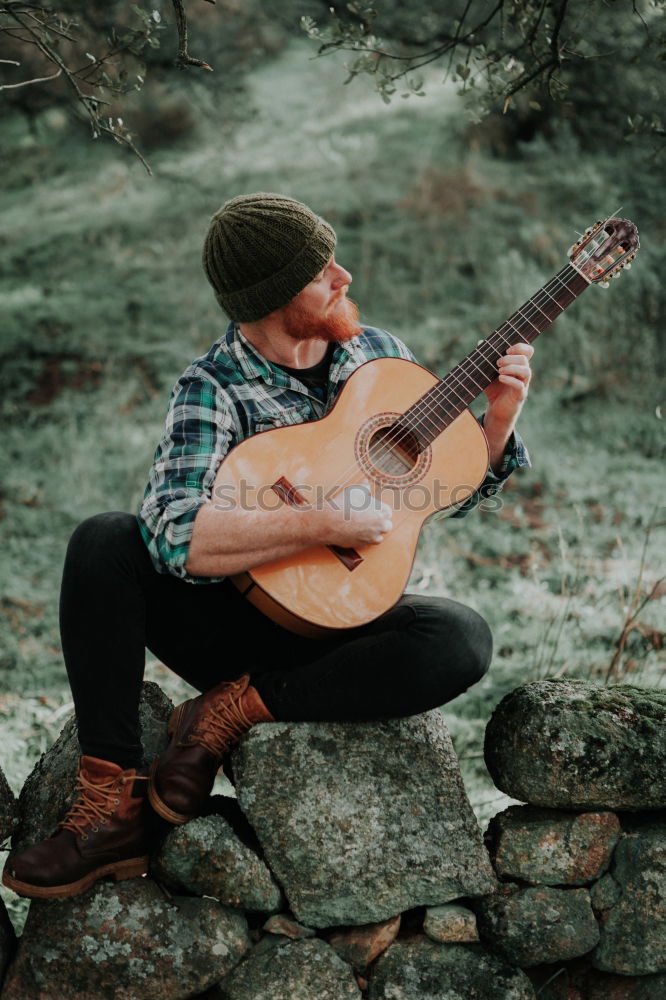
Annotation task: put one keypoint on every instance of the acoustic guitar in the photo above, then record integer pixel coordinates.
(411, 437)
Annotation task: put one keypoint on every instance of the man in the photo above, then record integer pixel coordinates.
(161, 580)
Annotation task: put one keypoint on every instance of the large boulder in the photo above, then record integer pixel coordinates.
(572, 744)
(550, 846)
(125, 940)
(207, 858)
(50, 788)
(420, 969)
(537, 925)
(632, 902)
(360, 821)
(295, 970)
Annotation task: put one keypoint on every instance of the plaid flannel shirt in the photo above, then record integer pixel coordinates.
(227, 395)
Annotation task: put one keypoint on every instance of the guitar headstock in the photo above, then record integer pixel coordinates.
(605, 249)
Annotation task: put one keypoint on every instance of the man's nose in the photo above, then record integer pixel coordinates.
(341, 276)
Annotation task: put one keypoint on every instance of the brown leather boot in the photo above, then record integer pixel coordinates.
(102, 834)
(202, 730)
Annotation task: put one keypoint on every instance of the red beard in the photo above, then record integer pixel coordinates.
(338, 324)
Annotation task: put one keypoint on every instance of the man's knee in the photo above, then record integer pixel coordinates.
(102, 534)
(460, 642)
(476, 646)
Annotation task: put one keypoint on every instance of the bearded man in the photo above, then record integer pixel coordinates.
(162, 580)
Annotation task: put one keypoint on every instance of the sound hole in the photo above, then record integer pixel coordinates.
(393, 450)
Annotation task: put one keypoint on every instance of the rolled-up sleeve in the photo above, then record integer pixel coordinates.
(515, 457)
(199, 432)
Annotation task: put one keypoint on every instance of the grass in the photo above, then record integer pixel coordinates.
(104, 303)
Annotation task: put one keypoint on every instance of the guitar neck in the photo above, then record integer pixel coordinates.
(433, 412)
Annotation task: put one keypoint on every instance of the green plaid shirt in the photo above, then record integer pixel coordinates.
(227, 395)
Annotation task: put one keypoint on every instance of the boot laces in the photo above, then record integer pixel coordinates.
(221, 726)
(96, 803)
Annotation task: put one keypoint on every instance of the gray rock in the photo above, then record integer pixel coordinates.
(537, 925)
(122, 941)
(206, 857)
(633, 928)
(572, 744)
(360, 821)
(50, 789)
(420, 969)
(579, 981)
(298, 970)
(8, 809)
(605, 893)
(550, 846)
(7, 941)
(450, 924)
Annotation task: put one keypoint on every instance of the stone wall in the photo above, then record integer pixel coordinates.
(350, 865)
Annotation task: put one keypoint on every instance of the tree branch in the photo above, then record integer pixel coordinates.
(184, 58)
(26, 83)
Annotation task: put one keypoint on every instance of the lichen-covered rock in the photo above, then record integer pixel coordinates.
(450, 924)
(125, 941)
(572, 744)
(50, 788)
(577, 980)
(206, 857)
(7, 941)
(8, 809)
(297, 970)
(537, 925)
(359, 946)
(605, 893)
(281, 923)
(359, 821)
(420, 969)
(633, 927)
(552, 847)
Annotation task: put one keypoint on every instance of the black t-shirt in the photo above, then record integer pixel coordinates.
(316, 377)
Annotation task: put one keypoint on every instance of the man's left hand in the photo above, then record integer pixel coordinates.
(508, 392)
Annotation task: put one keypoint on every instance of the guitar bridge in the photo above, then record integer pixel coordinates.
(289, 494)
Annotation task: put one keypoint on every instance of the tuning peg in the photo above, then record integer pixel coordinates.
(589, 230)
(603, 284)
(627, 266)
(571, 249)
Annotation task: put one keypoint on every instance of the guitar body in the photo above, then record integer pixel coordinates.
(321, 589)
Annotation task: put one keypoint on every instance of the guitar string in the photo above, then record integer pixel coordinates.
(444, 393)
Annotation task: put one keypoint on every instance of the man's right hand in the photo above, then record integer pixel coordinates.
(355, 517)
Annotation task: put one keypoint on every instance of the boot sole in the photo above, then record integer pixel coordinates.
(131, 868)
(160, 807)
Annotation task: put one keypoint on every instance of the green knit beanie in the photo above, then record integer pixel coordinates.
(261, 250)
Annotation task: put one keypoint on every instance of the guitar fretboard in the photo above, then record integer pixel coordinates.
(439, 407)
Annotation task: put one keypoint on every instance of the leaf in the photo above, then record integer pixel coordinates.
(507, 102)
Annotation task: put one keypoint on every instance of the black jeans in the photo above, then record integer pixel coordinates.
(417, 656)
